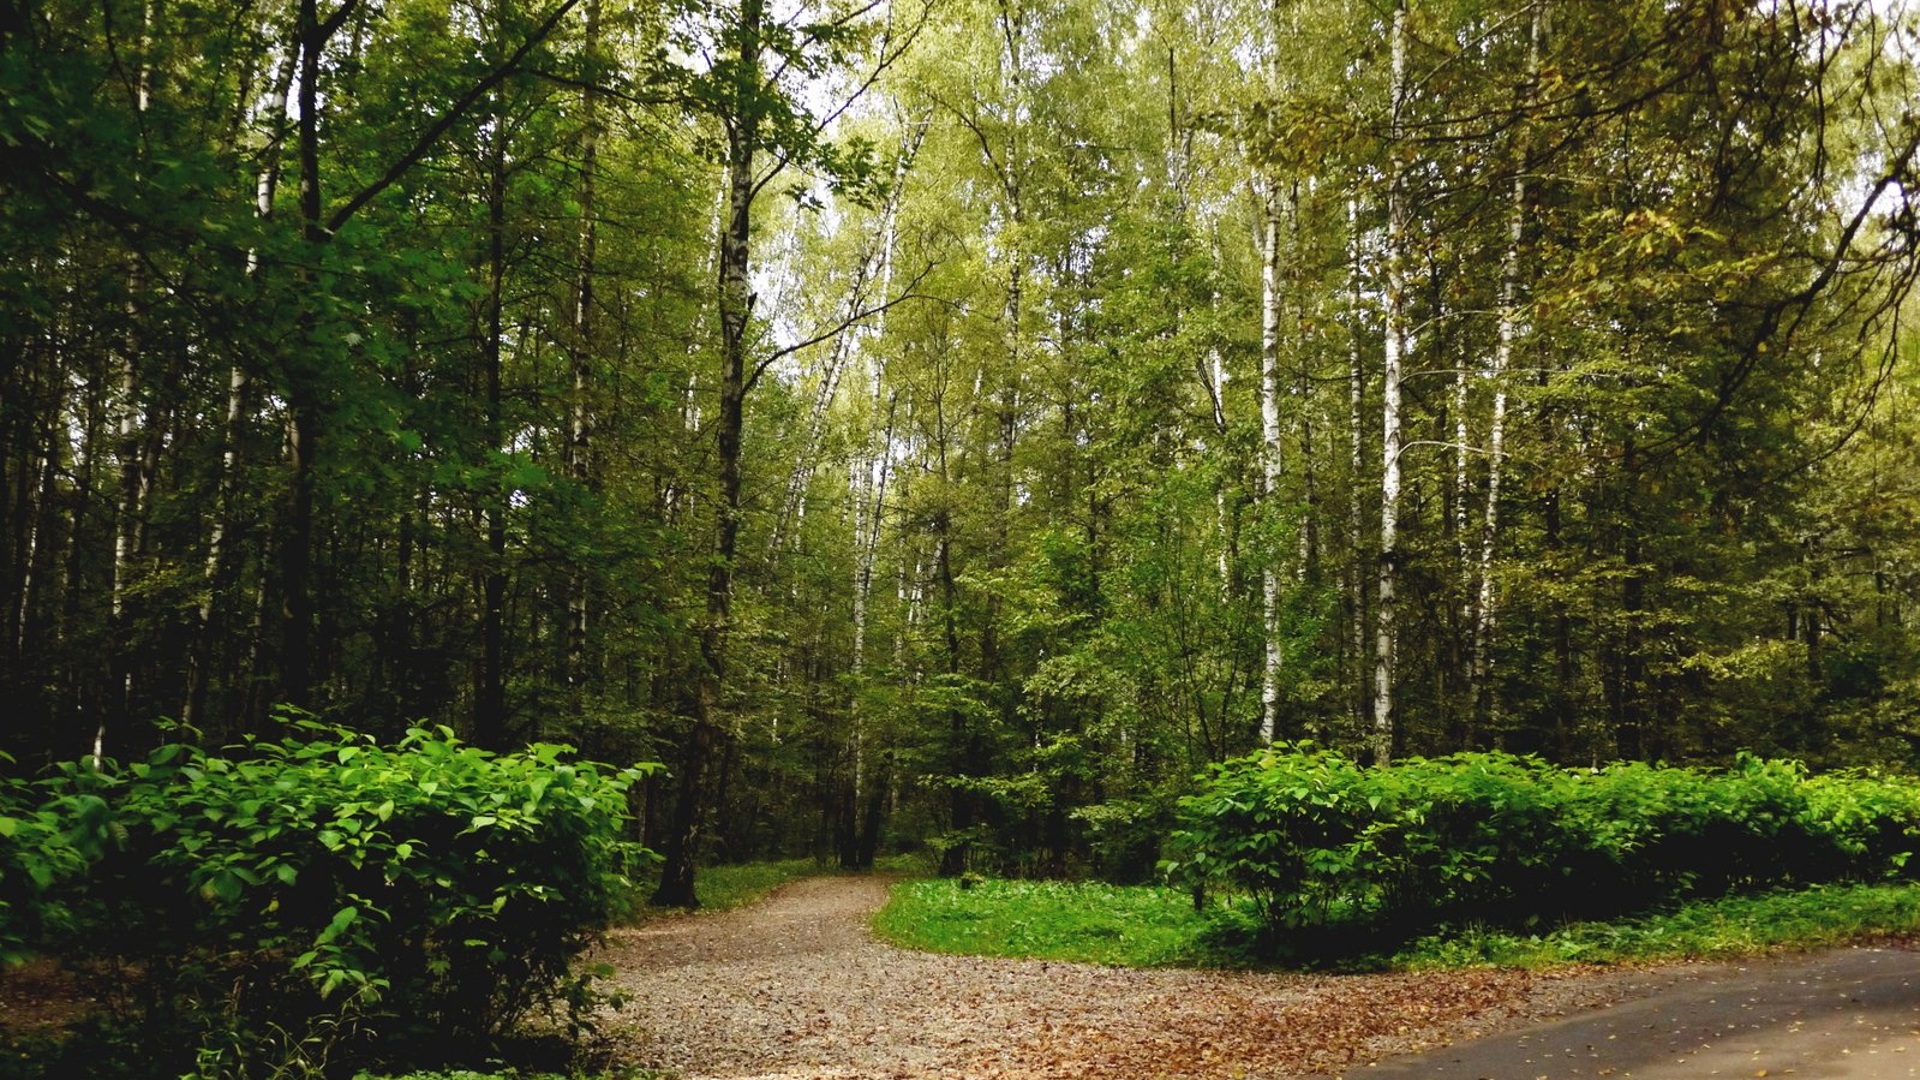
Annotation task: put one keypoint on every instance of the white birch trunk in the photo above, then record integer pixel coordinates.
(1270, 457)
(875, 266)
(1507, 331)
(266, 185)
(1356, 464)
(1399, 343)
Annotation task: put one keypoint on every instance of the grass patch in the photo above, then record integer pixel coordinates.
(1152, 926)
(723, 888)
(1130, 926)
(1710, 929)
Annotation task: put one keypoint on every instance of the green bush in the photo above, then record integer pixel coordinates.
(1314, 842)
(323, 893)
(44, 844)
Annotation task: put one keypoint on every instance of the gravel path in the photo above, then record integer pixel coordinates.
(795, 987)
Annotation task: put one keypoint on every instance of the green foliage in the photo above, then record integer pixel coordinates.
(289, 899)
(1148, 926)
(44, 844)
(1324, 849)
(1719, 929)
(723, 888)
(1130, 926)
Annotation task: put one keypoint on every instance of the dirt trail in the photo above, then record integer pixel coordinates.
(795, 987)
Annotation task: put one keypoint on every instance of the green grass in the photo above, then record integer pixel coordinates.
(1130, 926)
(1714, 929)
(1149, 926)
(723, 888)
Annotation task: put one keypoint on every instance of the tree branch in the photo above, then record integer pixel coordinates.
(853, 319)
(425, 143)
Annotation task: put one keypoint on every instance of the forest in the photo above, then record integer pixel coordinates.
(955, 424)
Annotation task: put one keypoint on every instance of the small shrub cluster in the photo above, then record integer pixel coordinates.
(45, 842)
(1326, 850)
(322, 895)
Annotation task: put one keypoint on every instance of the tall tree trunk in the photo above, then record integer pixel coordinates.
(296, 615)
(216, 575)
(490, 699)
(1485, 705)
(134, 420)
(579, 416)
(1361, 669)
(1270, 457)
(736, 310)
(869, 499)
(1399, 344)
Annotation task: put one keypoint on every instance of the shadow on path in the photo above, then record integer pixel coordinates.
(1847, 1014)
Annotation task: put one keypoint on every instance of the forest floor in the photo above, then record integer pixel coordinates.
(796, 987)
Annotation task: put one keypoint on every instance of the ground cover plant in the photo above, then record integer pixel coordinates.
(278, 905)
(1091, 922)
(1152, 926)
(1722, 928)
(729, 886)
(1325, 854)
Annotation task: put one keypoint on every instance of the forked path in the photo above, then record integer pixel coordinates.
(796, 987)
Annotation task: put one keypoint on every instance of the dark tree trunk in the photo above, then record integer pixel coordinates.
(736, 310)
(490, 699)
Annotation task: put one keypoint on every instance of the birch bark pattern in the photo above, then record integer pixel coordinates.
(1270, 456)
(1508, 330)
(1398, 344)
(1358, 671)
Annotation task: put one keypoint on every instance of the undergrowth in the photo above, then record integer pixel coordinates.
(1729, 927)
(723, 888)
(1155, 926)
(1124, 925)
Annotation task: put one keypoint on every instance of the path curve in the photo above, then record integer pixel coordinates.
(795, 987)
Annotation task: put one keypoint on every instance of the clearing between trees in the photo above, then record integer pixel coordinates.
(796, 987)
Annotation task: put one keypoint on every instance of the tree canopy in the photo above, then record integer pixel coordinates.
(960, 422)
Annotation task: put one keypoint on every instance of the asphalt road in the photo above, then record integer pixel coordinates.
(1842, 1014)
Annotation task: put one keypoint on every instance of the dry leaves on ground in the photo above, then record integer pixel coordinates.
(796, 987)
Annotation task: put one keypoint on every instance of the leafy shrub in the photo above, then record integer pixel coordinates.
(1294, 829)
(44, 843)
(1313, 841)
(325, 892)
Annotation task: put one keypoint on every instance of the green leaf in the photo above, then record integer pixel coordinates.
(342, 919)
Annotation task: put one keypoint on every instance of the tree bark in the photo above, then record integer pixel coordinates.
(1359, 670)
(579, 414)
(1484, 708)
(736, 301)
(1270, 458)
(490, 700)
(1398, 345)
